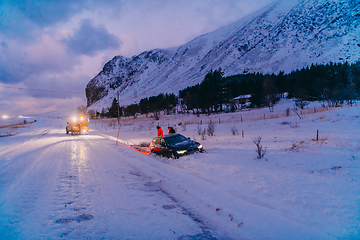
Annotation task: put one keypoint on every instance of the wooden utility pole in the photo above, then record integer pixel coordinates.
(118, 115)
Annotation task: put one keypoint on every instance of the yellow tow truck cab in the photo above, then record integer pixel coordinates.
(77, 125)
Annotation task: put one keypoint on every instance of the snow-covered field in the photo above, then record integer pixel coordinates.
(54, 185)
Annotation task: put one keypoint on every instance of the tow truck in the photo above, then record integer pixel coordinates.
(77, 125)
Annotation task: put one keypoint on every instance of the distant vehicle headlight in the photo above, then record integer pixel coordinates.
(74, 119)
(181, 152)
(200, 146)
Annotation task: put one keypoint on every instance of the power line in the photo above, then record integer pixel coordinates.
(42, 90)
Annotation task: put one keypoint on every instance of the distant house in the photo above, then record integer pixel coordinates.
(242, 101)
(282, 95)
(180, 107)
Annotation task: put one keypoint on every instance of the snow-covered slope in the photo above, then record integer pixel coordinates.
(283, 36)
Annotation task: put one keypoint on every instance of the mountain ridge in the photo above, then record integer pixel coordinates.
(284, 36)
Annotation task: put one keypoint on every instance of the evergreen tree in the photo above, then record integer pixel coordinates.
(144, 105)
(213, 90)
(132, 109)
(257, 98)
(113, 110)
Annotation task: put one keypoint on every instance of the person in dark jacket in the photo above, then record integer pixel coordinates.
(171, 130)
(160, 132)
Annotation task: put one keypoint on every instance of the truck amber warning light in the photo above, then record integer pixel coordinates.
(77, 125)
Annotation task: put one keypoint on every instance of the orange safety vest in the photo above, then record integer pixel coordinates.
(160, 132)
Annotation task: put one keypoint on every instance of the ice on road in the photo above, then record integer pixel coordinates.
(83, 187)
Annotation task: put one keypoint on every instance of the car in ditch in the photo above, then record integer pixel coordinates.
(174, 145)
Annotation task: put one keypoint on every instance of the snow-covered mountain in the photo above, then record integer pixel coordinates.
(283, 36)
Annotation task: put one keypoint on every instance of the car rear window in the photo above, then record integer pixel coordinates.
(175, 139)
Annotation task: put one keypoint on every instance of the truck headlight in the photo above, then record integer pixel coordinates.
(200, 146)
(181, 152)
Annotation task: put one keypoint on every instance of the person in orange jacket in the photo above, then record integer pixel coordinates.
(171, 130)
(160, 132)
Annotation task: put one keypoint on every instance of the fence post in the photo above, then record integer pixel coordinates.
(317, 135)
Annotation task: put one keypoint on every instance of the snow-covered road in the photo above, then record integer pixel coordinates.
(85, 187)
(55, 186)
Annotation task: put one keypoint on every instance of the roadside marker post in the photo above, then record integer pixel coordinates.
(117, 139)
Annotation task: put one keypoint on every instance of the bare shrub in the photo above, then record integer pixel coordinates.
(295, 146)
(151, 126)
(234, 130)
(156, 116)
(112, 123)
(199, 130)
(298, 106)
(301, 104)
(259, 148)
(203, 135)
(91, 113)
(297, 111)
(336, 167)
(210, 129)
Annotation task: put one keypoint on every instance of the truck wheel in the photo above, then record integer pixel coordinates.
(72, 133)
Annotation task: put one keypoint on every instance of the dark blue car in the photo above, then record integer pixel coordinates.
(174, 145)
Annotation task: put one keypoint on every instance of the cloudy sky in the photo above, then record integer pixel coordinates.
(50, 49)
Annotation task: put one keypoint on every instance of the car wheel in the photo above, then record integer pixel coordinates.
(175, 155)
